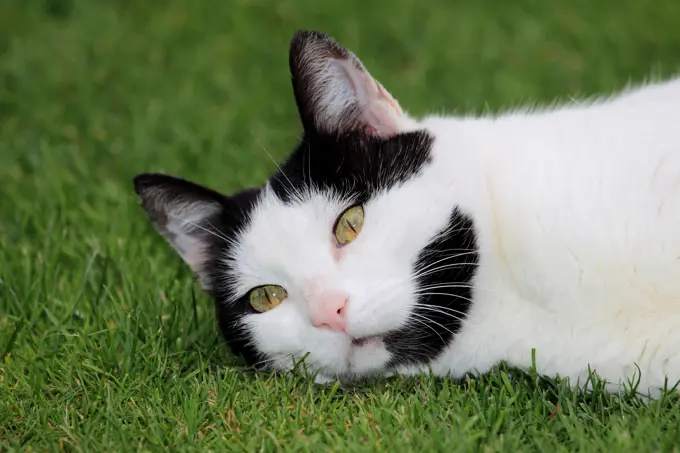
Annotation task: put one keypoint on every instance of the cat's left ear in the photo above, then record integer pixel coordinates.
(193, 219)
(335, 94)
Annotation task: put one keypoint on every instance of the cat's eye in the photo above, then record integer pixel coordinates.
(349, 225)
(264, 298)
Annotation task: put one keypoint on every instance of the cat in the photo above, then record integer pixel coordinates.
(388, 244)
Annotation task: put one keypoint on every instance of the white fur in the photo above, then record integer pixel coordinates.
(577, 212)
(578, 216)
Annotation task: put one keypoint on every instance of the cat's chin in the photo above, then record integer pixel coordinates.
(365, 357)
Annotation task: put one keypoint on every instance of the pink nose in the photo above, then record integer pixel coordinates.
(328, 310)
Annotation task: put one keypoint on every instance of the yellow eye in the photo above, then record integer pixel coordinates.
(266, 297)
(349, 224)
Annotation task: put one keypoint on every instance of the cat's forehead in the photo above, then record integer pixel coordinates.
(274, 220)
(355, 165)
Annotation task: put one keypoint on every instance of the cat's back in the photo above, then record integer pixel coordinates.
(638, 121)
(584, 198)
(596, 187)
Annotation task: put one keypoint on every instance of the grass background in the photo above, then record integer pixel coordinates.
(106, 343)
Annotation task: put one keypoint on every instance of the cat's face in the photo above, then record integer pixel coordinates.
(338, 257)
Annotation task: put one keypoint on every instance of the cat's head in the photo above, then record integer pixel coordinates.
(338, 257)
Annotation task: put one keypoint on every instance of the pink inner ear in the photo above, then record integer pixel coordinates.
(388, 97)
(381, 113)
(370, 130)
(382, 119)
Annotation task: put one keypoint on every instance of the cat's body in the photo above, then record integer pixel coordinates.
(577, 214)
(483, 238)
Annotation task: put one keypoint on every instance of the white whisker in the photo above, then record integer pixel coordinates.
(457, 296)
(441, 268)
(450, 257)
(273, 160)
(428, 320)
(437, 307)
(418, 318)
(216, 233)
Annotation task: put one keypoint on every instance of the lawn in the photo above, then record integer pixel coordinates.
(107, 344)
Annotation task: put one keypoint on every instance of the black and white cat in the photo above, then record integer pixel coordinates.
(388, 244)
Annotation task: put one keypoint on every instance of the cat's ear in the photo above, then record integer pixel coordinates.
(334, 92)
(191, 218)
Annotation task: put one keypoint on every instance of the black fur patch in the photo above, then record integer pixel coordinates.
(445, 268)
(355, 166)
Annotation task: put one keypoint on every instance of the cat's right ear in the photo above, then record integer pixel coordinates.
(335, 94)
(192, 218)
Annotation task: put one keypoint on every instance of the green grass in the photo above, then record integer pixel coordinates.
(106, 343)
